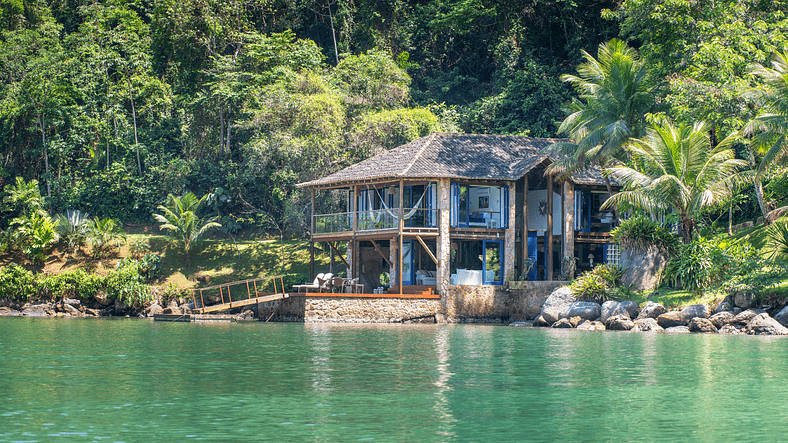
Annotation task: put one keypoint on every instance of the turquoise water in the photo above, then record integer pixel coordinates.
(134, 380)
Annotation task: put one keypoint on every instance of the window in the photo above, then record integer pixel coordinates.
(477, 262)
(480, 206)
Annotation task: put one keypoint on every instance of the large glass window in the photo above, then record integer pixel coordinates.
(480, 206)
(477, 262)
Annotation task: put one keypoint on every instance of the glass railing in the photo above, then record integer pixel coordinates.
(375, 220)
(334, 223)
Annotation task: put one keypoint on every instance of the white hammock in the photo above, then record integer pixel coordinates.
(388, 210)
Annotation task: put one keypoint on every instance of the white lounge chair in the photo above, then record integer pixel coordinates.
(319, 280)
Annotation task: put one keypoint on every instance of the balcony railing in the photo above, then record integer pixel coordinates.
(375, 220)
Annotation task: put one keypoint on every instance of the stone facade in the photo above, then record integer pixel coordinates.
(462, 304)
(350, 310)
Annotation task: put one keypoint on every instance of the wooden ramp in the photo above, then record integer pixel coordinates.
(225, 291)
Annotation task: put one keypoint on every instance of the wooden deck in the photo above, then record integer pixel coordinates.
(411, 291)
(240, 303)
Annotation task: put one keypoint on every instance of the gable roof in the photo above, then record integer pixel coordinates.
(457, 156)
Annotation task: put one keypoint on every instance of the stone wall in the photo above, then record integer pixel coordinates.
(497, 304)
(462, 304)
(350, 310)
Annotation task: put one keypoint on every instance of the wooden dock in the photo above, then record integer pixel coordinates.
(253, 294)
(187, 318)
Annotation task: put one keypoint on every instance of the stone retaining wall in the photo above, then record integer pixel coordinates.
(350, 310)
(462, 304)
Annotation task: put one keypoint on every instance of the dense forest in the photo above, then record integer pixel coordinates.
(113, 105)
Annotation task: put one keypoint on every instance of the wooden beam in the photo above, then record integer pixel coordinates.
(432, 256)
(380, 251)
(524, 236)
(401, 229)
(312, 241)
(336, 252)
(549, 236)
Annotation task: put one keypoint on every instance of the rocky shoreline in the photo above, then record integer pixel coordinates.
(96, 307)
(563, 310)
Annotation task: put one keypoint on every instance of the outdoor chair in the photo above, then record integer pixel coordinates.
(338, 283)
(325, 282)
(319, 280)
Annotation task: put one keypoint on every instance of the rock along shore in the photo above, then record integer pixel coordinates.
(563, 310)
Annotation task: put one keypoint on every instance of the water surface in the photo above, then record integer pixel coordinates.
(134, 380)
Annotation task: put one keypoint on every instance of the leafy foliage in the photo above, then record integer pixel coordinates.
(18, 283)
(103, 235)
(180, 219)
(704, 264)
(34, 234)
(642, 232)
(778, 239)
(599, 284)
(73, 227)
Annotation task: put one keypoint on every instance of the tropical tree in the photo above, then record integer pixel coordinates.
(679, 172)
(103, 234)
(180, 218)
(614, 99)
(769, 130)
(34, 233)
(73, 227)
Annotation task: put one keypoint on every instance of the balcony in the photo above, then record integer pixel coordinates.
(416, 219)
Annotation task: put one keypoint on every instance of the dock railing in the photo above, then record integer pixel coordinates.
(253, 294)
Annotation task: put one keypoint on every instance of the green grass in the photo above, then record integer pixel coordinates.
(221, 261)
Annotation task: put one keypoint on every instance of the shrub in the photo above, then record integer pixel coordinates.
(77, 283)
(139, 247)
(642, 232)
(34, 234)
(704, 264)
(599, 284)
(127, 285)
(777, 236)
(18, 283)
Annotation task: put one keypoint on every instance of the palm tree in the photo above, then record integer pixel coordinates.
(769, 131)
(677, 171)
(614, 100)
(103, 234)
(180, 218)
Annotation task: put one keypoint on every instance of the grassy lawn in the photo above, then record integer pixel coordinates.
(213, 261)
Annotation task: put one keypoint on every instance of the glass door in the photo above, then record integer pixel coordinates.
(493, 262)
(407, 262)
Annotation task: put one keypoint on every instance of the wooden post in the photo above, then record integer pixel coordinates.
(568, 256)
(355, 259)
(549, 234)
(524, 236)
(401, 230)
(257, 297)
(312, 241)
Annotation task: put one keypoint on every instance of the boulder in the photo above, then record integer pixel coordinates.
(591, 326)
(522, 324)
(744, 299)
(647, 324)
(699, 310)
(612, 308)
(574, 321)
(153, 309)
(652, 310)
(762, 324)
(72, 301)
(620, 322)
(642, 267)
(557, 304)
(744, 317)
(8, 312)
(721, 319)
(541, 322)
(700, 324)
(731, 329)
(678, 329)
(723, 307)
(562, 323)
(74, 312)
(92, 312)
(782, 316)
(672, 319)
(33, 312)
(585, 310)
(170, 310)
(101, 299)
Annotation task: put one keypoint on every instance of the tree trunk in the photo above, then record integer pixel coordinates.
(761, 199)
(333, 34)
(227, 139)
(221, 126)
(46, 154)
(134, 118)
(687, 228)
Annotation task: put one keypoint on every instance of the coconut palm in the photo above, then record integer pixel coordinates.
(677, 171)
(610, 112)
(180, 218)
(769, 130)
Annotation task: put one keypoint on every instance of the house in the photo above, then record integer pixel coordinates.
(463, 209)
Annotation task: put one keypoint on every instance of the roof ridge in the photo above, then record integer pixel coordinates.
(418, 154)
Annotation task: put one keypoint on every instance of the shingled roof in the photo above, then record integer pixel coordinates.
(457, 156)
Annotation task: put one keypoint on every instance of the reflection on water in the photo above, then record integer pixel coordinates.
(129, 380)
